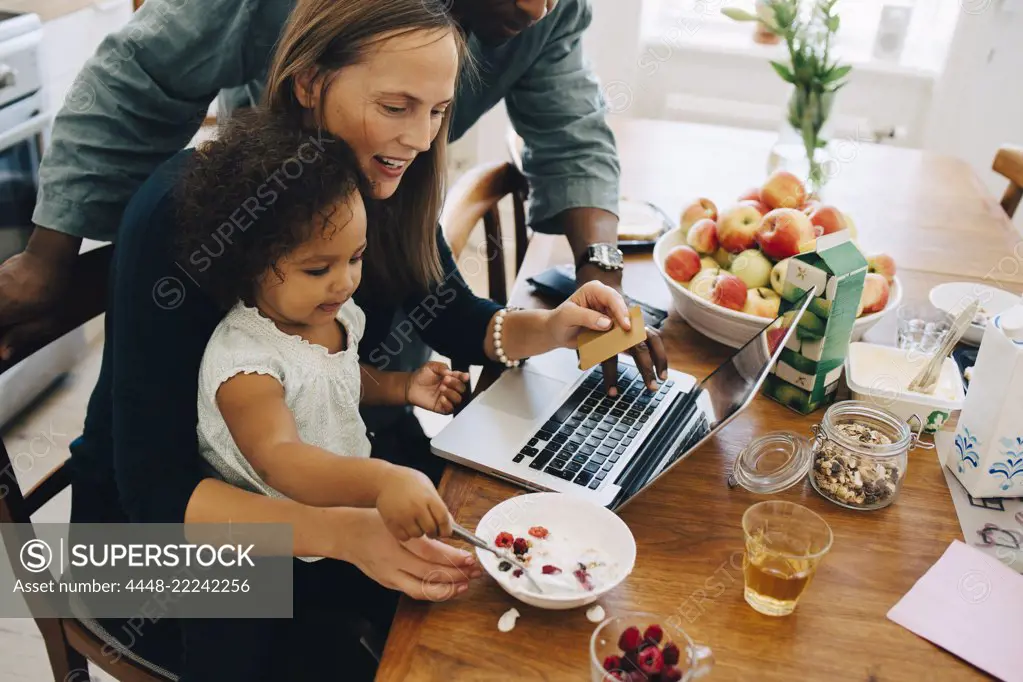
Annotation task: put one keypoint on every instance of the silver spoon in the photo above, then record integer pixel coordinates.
(927, 379)
(503, 555)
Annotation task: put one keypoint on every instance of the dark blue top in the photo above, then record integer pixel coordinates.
(138, 457)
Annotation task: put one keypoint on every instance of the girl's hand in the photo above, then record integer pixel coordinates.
(421, 568)
(436, 387)
(411, 507)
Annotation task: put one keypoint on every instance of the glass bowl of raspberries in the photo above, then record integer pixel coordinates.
(645, 647)
(574, 551)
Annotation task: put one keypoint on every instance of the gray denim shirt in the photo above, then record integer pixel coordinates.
(145, 92)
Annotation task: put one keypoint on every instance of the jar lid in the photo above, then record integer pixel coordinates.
(772, 463)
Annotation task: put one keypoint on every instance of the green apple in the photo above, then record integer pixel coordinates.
(778, 276)
(753, 268)
(703, 283)
(724, 258)
(762, 302)
(708, 263)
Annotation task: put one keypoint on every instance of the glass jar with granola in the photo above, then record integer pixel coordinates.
(860, 455)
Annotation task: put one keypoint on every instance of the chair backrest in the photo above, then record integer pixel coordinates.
(474, 197)
(86, 298)
(1009, 164)
(68, 642)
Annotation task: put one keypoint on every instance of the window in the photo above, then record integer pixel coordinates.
(700, 23)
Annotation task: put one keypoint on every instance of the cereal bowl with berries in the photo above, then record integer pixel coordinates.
(575, 551)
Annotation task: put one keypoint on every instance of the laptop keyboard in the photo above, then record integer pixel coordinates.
(584, 439)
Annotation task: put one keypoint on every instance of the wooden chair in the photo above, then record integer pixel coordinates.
(474, 197)
(1009, 163)
(69, 641)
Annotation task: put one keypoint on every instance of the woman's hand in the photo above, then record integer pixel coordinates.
(411, 507)
(421, 568)
(593, 306)
(436, 387)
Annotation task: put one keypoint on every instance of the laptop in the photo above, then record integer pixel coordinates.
(549, 426)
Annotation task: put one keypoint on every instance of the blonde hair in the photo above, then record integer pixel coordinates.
(324, 36)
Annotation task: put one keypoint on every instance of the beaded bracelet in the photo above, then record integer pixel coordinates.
(498, 327)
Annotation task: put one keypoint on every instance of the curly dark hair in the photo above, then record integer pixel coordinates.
(261, 188)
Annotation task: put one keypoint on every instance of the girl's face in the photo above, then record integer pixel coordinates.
(318, 276)
(390, 106)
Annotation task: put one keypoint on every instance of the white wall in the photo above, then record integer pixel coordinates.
(978, 103)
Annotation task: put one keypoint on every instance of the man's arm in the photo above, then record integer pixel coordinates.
(137, 102)
(569, 158)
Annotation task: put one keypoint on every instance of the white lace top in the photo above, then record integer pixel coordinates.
(321, 389)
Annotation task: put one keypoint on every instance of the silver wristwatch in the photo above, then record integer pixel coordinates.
(604, 255)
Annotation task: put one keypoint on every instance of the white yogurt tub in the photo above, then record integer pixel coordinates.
(881, 375)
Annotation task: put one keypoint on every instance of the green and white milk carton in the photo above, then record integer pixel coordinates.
(806, 375)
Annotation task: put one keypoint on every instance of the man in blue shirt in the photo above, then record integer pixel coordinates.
(145, 92)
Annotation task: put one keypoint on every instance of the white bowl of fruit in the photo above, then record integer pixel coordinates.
(575, 551)
(726, 271)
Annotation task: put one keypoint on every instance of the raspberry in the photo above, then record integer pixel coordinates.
(670, 653)
(653, 634)
(637, 676)
(612, 663)
(584, 579)
(520, 546)
(551, 570)
(650, 660)
(671, 674)
(538, 532)
(629, 639)
(618, 675)
(504, 540)
(517, 572)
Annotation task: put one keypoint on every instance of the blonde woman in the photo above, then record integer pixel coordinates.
(381, 76)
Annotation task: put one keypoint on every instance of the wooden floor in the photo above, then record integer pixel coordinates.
(59, 415)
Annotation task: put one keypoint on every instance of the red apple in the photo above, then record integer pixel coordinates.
(728, 291)
(762, 208)
(696, 211)
(737, 229)
(682, 263)
(762, 302)
(782, 232)
(882, 264)
(783, 190)
(828, 218)
(752, 194)
(875, 294)
(703, 236)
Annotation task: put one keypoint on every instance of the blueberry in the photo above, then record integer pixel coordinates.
(504, 566)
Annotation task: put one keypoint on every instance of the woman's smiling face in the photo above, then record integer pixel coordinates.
(390, 105)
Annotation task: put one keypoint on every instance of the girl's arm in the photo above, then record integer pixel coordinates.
(383, 388)
(264, 429)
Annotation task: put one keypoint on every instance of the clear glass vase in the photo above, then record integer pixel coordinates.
(811, 111)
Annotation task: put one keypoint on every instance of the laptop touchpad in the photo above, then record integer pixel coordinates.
(524, 394)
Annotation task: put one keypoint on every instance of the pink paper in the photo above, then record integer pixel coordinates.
(970, 604)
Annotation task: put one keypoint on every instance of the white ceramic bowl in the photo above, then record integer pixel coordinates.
(880, 374)
(732, 327)
(952, 297)
(589, 525)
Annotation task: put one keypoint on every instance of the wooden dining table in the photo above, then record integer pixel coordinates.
(936, 218)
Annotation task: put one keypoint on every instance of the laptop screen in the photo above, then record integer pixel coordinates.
(694, 416)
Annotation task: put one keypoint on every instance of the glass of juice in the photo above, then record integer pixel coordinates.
(784, 544)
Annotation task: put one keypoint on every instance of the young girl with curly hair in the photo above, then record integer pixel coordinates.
(280, 383)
